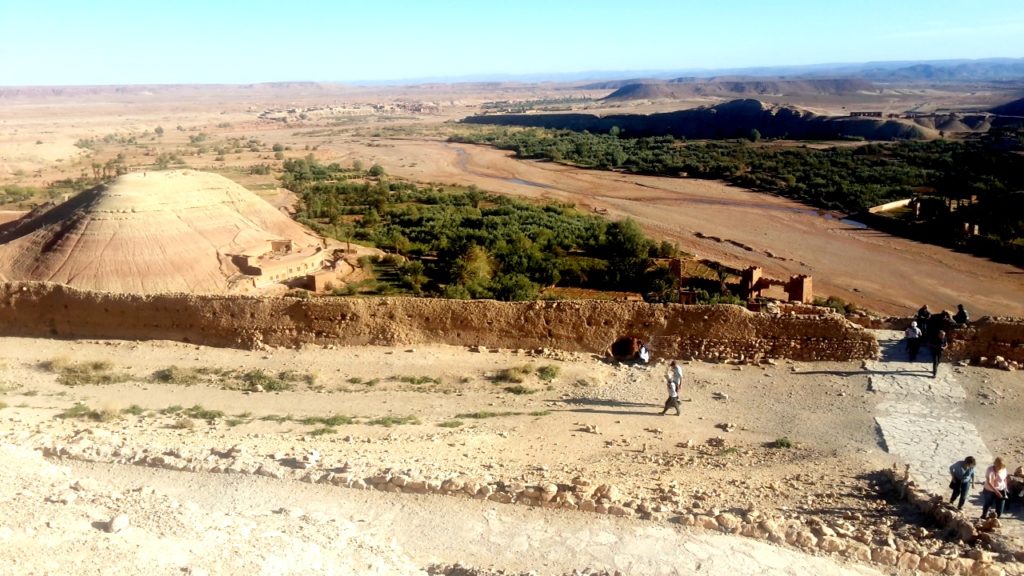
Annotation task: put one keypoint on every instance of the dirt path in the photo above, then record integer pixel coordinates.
(885, 273)
(924, 422)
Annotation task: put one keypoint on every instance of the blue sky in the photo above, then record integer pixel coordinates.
(209, 41)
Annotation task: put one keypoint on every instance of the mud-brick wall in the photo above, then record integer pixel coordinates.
(706, 332)
(989, 337)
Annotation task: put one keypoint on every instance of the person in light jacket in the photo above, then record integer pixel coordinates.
(674, 379)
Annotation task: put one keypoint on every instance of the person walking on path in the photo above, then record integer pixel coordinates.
(674, 380)
(937, 344)
(913, 337)
(962, 473)
(993, 495)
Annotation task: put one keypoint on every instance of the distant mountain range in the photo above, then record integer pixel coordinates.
(962, 70)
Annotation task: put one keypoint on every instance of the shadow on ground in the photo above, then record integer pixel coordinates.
(606, 406)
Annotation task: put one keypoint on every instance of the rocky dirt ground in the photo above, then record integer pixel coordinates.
(505, 459)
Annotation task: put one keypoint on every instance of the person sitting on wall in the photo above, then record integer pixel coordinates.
(961, 317)
(922, 316)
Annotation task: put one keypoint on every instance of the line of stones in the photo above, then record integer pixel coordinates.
(811, 536)
(954, 522)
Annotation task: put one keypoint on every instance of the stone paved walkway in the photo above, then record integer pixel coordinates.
(922, 419)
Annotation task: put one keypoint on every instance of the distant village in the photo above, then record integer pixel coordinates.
(367, 109)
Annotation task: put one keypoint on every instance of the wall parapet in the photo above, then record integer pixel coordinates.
(690, 332)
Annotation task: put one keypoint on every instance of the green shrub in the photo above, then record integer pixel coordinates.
(389, 421)
(97, 372)
(258, 379)
(514, 375)
(83, 412)
(184, 424)
(484, 414)
(547, 373)
(200, 413)
(331, 421)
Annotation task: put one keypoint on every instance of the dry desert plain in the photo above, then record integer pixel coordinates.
(437, 414)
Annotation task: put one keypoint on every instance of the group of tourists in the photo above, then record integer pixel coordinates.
(996, 487)
(933, 330)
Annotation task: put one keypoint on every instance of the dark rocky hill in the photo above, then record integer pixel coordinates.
(680, 88)
(734, 119)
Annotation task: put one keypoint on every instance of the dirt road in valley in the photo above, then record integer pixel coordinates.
(739, 227)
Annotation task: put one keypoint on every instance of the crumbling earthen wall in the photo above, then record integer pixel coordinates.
(706, 332)
(988, 337)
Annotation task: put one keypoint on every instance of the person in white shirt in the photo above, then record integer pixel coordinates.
(913, 337)
(674, 379)
(994, 494)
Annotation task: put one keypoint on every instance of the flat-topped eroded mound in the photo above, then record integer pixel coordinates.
(174, 231)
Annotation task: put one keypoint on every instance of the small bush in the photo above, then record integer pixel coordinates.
(389, 421)
(200, 413)
(172, 409)
(484, 414)
(541, 413)
(134, 410)
(275, 418)
(97, 372)
(417, 380)
(335, 420)
(783, 442)
(519, 389)
(450, 424)
(547, 373)
(323, 431)
(83, 412)
(514, 375)
(188, 376)
(232, 422)
(184, 424)
(258, 378)
(77, 411)
(296, 376)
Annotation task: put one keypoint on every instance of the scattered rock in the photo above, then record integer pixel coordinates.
(117, 523)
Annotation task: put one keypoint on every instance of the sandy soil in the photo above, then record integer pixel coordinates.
(593, 420)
